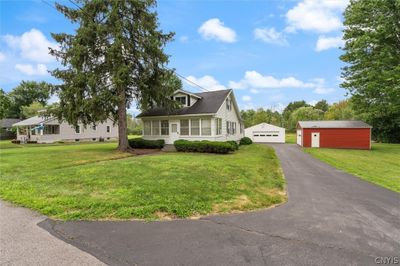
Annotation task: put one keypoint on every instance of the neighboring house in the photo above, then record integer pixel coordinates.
(266, 133)
(48, 130)
(5, 128)
(334, 134)
(213, 116)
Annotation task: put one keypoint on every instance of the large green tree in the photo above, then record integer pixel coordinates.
(304, 114)
(25, 94)
(114, 57)
(372, 72)
(322, 105)
(5, 104)
(342, 110)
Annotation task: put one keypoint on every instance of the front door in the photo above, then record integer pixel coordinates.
(299, 137)
(174, 132)
(315, 139)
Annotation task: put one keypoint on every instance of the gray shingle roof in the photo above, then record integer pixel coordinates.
(8, 122)
(334, 124)
(36, 120)
(209, 103)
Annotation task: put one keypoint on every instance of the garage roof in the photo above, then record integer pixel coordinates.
(334, 124)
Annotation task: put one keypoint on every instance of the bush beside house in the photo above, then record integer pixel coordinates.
(140, 143)
(245, 141)
(204, 146)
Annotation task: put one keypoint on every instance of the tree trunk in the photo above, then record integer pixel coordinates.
(123, 144)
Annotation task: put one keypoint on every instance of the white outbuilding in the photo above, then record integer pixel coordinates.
(265, 133)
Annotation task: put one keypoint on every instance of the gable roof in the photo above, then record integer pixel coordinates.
(265, 125)
(8, 122)
(209, 103)
(36, 120)
(333, 124)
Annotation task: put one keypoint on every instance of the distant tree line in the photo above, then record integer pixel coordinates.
(300, 110)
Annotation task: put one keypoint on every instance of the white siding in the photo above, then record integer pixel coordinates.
(232, 116)
(266, 133)
(67, 133)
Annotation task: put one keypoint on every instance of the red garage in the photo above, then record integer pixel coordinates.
(334, 134)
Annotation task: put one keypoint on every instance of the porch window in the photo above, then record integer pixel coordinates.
(155, 127)
(164, 127)
(218, 126)
(185, 127)
(51, 129)
(195, 127)
(206, 127)
(147, 128)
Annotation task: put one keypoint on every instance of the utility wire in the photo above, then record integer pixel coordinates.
(179, 75)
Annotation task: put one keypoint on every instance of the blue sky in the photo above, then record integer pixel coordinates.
(269, 52)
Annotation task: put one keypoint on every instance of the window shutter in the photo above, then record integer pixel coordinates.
(188, 100)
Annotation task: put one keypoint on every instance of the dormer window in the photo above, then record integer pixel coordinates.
(228, 104)
(181, 100)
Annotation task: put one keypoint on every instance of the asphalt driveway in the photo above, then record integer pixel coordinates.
(331, 218)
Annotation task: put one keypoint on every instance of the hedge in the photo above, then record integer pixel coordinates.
(204, 146)
(234, 144)
(140, 143)
(245, 141)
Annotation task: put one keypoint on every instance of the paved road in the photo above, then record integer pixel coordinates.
(331, 218)
(22, 242)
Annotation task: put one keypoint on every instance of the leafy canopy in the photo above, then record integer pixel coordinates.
(372, 54)
(114, 58)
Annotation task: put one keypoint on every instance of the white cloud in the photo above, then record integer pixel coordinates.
(319, 16)
(325, 43)
(322, 90)
(246, 98)
(254, 91)
(30, 70)
(215, 29)
(255, 80)
(207, 82)
(184, 39)
(270, 35)
(32, 45)
(2, 57)
(312, 102)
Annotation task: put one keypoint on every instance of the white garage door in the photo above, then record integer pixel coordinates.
(267, 136)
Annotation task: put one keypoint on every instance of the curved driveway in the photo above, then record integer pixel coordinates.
(331, 218)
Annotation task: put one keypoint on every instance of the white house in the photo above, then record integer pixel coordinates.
(266, 133)
(213, 116)
(48, 130)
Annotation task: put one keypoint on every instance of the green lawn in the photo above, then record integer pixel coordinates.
(291, 138)
(379, 166)
(94, 181)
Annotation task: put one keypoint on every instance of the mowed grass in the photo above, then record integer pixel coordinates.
(380, 166)
(94, 181)
(290, 138)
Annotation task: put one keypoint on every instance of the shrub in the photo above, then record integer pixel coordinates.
(31, 142)
(245, 141)
(16, 141)
(234, 144)
(204, 146)
(140, 143)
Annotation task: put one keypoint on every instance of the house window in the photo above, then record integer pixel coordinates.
(195, 127)
(181, 100)
(94, 127)
(77, 129)
(147, 128)
(185, 127)
(155, 127)
(164, 127)
(218, 126)
(228, 127)
(108, 129)
(233, 128)
(52, 129)
(241, 128)
(206, 127)
(228, 104)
